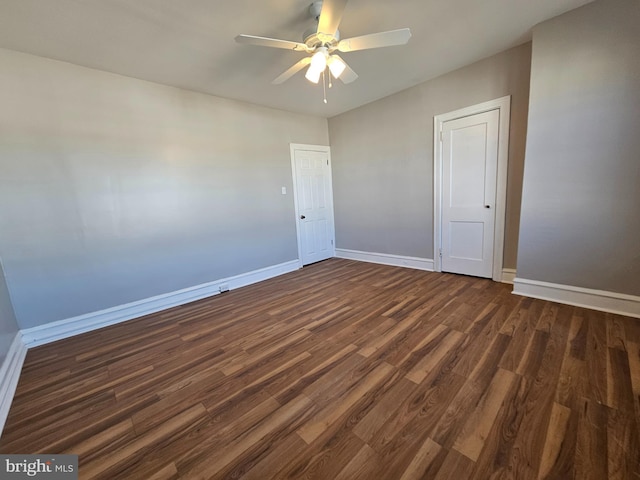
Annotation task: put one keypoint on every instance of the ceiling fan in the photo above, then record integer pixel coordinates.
(322, 43)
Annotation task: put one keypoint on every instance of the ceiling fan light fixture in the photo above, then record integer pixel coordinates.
(336, 65)
(322, 42)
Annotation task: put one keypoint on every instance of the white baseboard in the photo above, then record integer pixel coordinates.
(69, 327)
(386, 259)
(612, 302)
(508, 275)
(9, 376)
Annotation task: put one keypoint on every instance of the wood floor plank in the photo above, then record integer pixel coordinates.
(363, 466)
(631, 329)
(271, 464)
(196, 445)
(475, 431)
(523, 324)
(538, 403)
(633, 357)
(212, 439)
(458, 410)
(337, 379)
(616, 334)
(277, 421)
(516, 316)
(455, 465)
(290, 387)
(343, 370)
(429, 361)
(596, 357)
(428, 342)
(487, 365)
(402, 434)
(377, 342)
(547, 317)
(257, 357)
(572, 382)
(619, 386)
(109, 465)
(110, 438)
(481, 334)
(251, 387)
(83, 424)
(623, 445)
(559, 446)
(420, 463)
(496, 458)
(330, 414)
(168, 472)
(162, 409)
(37, 425)
(532, 356)
(578, 335)
(383, 410)
(591, 458)
(327, 457)
(398, 352)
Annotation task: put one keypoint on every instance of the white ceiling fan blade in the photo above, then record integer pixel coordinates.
(292, 71)
(375, 40)
(347, 75)
(330, 16)
(272, 42)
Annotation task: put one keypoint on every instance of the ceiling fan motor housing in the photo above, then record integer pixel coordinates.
(311, 37)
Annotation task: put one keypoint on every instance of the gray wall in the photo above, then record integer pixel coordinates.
(383, 157)
(114, 189)
(580, 221)
(8, 324)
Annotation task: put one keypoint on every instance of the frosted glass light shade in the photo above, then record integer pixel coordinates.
(336, 65)
(313, 75)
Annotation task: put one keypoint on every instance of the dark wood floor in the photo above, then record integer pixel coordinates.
(343, 370)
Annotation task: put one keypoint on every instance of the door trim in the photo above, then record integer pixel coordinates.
(503, 105)
(315, 148)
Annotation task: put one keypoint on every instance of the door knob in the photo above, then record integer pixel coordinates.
(302, 217)
(487, 206)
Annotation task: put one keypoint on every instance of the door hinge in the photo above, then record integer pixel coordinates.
(331, 241)
(440, 252)
(441, 135)
(327, 161)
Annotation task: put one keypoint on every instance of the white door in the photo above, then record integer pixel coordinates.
(314, 203)
(469, 172)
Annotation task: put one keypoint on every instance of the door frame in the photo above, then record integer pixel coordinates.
(503, 105)
(315, 148)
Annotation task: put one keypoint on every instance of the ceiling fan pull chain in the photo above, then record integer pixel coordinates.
(324, 86)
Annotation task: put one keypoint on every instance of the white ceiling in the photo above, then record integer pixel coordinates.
(190, 43)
